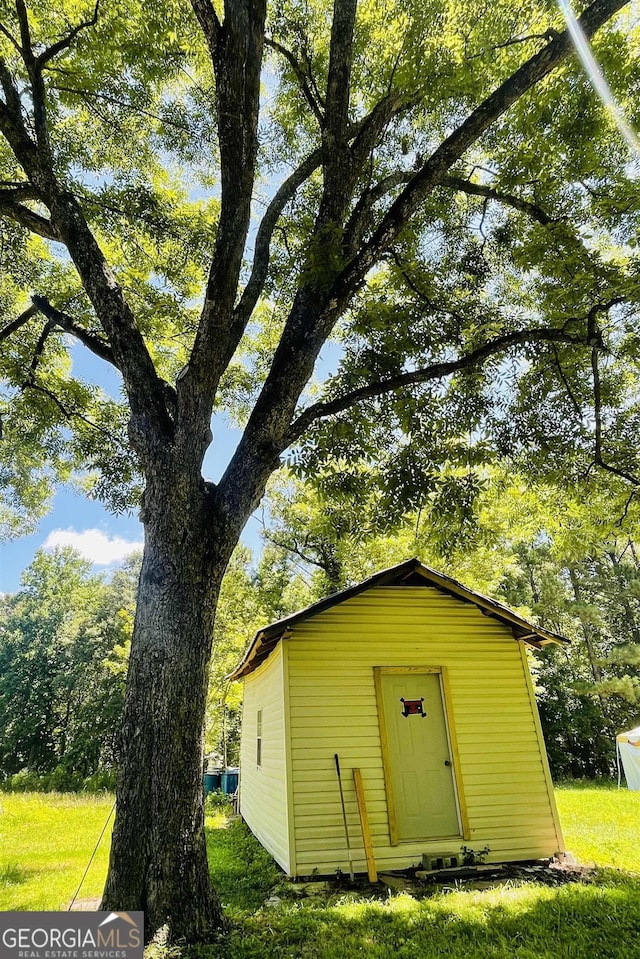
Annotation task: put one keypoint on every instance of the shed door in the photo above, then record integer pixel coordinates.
(418, 765)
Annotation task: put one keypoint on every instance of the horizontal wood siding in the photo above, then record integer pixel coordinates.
(263, 789)
(333, 709)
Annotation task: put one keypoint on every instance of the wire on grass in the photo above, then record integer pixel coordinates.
(84, 875)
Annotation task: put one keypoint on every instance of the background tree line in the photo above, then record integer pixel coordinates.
(64, 644)
(568, 560)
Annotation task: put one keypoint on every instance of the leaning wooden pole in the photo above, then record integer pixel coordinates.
(364, 823)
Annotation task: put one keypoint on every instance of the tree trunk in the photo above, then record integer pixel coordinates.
(587, 631)
(158, 860)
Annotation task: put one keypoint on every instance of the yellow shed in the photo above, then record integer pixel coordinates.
(422, 685)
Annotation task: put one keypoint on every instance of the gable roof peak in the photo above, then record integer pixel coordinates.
(410, 572)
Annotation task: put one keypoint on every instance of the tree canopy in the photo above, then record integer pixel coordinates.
(500, 256)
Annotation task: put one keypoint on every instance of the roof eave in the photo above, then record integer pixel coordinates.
(266, 639)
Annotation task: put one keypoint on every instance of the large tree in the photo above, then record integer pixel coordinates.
(442, 190)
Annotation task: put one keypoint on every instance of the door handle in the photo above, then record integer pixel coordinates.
(447, 762)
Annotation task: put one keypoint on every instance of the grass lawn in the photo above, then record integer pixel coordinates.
(601, 825)
(45, 841)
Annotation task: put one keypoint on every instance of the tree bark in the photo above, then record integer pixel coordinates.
(158, 860)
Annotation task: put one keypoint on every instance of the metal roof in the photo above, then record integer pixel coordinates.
(410, 573)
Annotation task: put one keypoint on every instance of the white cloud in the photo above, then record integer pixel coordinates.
(94, 545)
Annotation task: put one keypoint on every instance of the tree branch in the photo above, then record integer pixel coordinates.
(620, 521)
(12, 125)
(381, 113)
(336, 154)
(236, 58)
(151, 417)
(576, 406)
(422, 295)
(65, 42)
(37, 353)
(291, 548)
(435, 371)
(371, 126)
(69, 325)
(123, 104)
(361, 214)
(368, 135)
(479, 189)
(360, 131)
(598, 457)
(261, 254)
(38, 93)
(40, 304)
(36, 64)
(549, 35)
(339, 75)
(148, 396)
(10, 37)
(20, 189)
(208, 20)
(313, 312)
(70, 414)
(301, 77)
(17, 323)
(25, 32)
(12, 99)
(26, 217)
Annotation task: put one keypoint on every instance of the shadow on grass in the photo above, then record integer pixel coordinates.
(241, 870)
(572, 922)
(595, 920)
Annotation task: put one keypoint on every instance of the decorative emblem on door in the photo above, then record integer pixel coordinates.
(413, 707)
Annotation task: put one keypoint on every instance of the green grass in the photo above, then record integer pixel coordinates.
(576, 921)
(241, 870)
(601, 824)
(45, 841)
